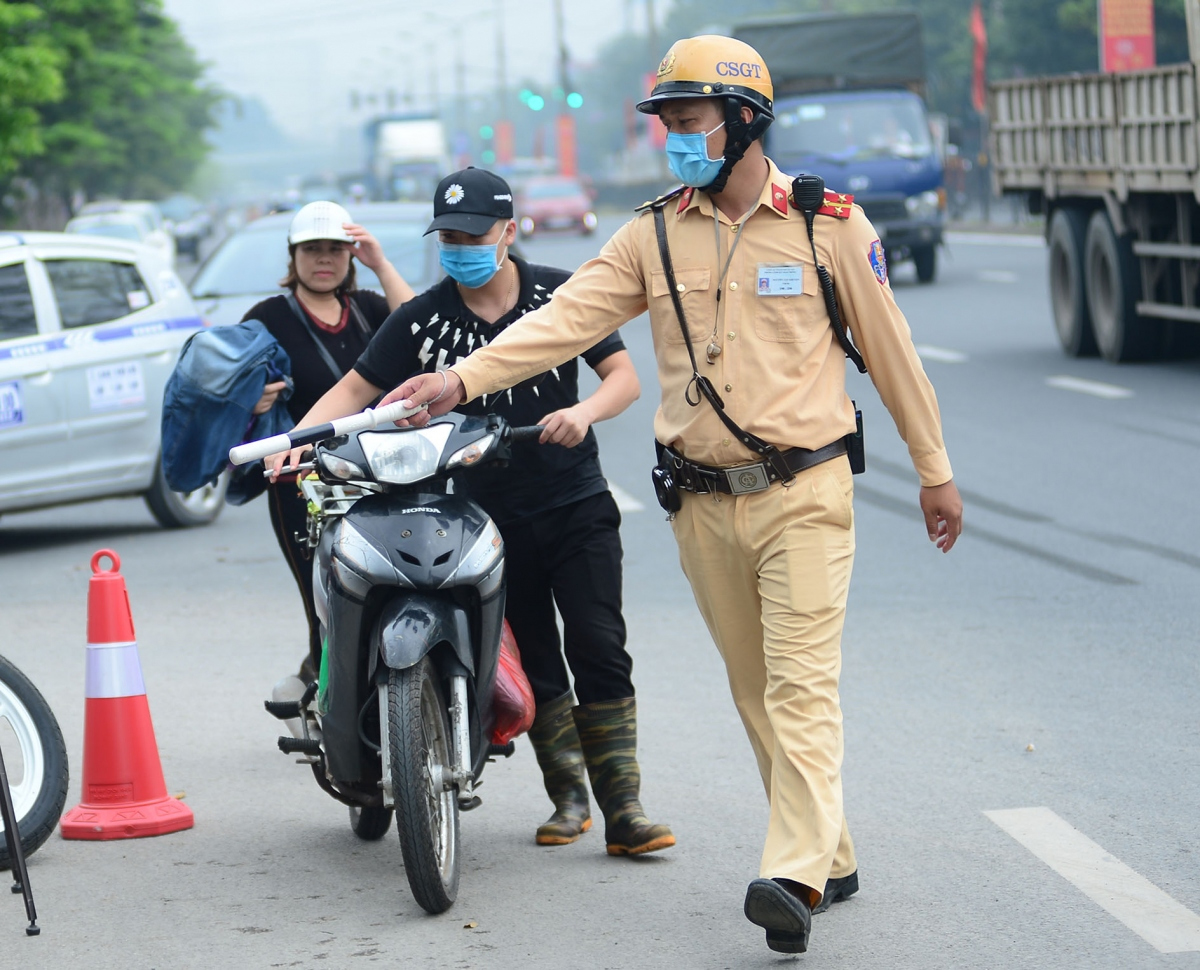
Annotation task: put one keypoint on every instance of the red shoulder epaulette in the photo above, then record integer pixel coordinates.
(837, 204)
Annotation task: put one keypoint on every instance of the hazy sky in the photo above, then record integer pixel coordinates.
(302, 58)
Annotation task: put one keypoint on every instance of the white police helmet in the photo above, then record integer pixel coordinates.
(319, 220)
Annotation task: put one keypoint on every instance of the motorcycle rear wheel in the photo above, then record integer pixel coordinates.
(426, 813)
(32, 740)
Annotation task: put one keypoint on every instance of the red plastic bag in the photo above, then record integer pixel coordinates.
(512, 699)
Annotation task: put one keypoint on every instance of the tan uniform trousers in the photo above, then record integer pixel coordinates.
(770, 572)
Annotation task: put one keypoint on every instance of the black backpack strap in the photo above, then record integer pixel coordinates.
(312, 332)
(767, 451)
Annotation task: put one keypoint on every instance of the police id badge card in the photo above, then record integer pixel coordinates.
(780, 279)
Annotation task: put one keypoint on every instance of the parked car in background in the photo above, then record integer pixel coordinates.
(129, 225)
(554, 202)
(248, 266)
(149, 211)
(90, 329)
(189, 222)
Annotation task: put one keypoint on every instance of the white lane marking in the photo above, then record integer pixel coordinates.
(940, 354)
(997, 276)
(1167, 925)
(1095, 388)
(995, 239)
(625, 501)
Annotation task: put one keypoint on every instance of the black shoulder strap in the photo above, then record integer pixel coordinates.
(662, 199)
(799, 196)
(312, 332)
(356, 315)
(704, 386)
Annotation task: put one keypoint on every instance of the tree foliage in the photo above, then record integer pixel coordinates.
(133, 111)
(29, 77)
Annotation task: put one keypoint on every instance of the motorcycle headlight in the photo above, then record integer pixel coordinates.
(924, 205)
(400, 457)
(337, 467)
(473, 452)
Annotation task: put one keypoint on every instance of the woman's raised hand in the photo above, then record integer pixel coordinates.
(366, 247)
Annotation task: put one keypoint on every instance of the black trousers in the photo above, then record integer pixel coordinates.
(289, 516)
(569, 557)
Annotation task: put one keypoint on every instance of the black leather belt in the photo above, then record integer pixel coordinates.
(691, 476)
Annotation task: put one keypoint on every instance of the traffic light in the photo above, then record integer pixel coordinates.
(574, 100)
(531, 100)
(486, 132)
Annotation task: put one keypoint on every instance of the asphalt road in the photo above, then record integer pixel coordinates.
(1048, 661)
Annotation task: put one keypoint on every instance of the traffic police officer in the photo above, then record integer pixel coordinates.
(768, 549)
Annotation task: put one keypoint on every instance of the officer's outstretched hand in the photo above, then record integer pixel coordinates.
(441, 391)
(943, 510)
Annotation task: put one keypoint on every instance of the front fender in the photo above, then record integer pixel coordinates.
(411, 626)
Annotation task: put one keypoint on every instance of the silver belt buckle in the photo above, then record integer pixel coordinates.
(747, 478)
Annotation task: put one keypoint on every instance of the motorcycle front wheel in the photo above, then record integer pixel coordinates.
(426, 810)
(35, 760)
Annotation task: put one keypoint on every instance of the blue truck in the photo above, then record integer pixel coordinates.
(849, 106)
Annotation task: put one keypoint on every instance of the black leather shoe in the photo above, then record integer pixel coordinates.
(786, 918)
(837, 890)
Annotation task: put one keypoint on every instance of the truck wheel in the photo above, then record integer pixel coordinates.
(925, 259)
(1112, 291)
(182, 510)
(1068, 296)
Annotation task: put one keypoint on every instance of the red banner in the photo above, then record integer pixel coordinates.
(568, 154)
(979, 72)
(504, 142)
(1126, 35)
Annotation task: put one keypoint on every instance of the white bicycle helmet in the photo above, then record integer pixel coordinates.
(319, 220)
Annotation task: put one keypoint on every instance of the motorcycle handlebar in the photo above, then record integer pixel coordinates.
(529, 432)
(297, 437)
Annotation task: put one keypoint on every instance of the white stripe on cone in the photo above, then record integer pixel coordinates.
(113, 670)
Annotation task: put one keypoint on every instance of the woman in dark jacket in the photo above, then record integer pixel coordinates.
(324, 323)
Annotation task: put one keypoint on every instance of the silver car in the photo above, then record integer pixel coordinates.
(248, 266)
(90, 329)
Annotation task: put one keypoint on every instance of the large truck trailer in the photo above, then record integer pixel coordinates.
(1113, 162)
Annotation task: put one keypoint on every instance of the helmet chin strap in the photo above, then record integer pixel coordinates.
(739, 137)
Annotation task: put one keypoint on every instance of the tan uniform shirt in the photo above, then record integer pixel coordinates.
(781, 372)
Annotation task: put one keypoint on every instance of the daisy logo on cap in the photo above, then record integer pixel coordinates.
(455, 194)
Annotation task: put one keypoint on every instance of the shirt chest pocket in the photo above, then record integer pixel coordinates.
(791, 319)
(693, 285)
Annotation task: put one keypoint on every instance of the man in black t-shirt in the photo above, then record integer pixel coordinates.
(551, 503)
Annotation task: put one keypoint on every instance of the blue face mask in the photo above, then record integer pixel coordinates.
(470, 265)
(687, 155)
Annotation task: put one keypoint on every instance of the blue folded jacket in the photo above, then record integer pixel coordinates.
(209, 401)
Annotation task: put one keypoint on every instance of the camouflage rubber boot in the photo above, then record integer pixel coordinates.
(556, 743)
(608, 733)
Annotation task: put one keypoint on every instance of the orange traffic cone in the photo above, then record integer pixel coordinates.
(124, 794)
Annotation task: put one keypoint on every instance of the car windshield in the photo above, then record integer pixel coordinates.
(849, 127)
(114, 230)
(557, 189)
(255, 260)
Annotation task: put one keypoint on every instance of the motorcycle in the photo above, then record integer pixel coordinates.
(35, 756)
(409, 587)
(31, 742)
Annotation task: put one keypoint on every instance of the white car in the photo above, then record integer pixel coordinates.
(130, 225)
(90, 330)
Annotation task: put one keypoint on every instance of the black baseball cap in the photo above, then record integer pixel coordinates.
(471, 200)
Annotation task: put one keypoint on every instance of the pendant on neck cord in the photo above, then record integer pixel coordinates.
(713, 351)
